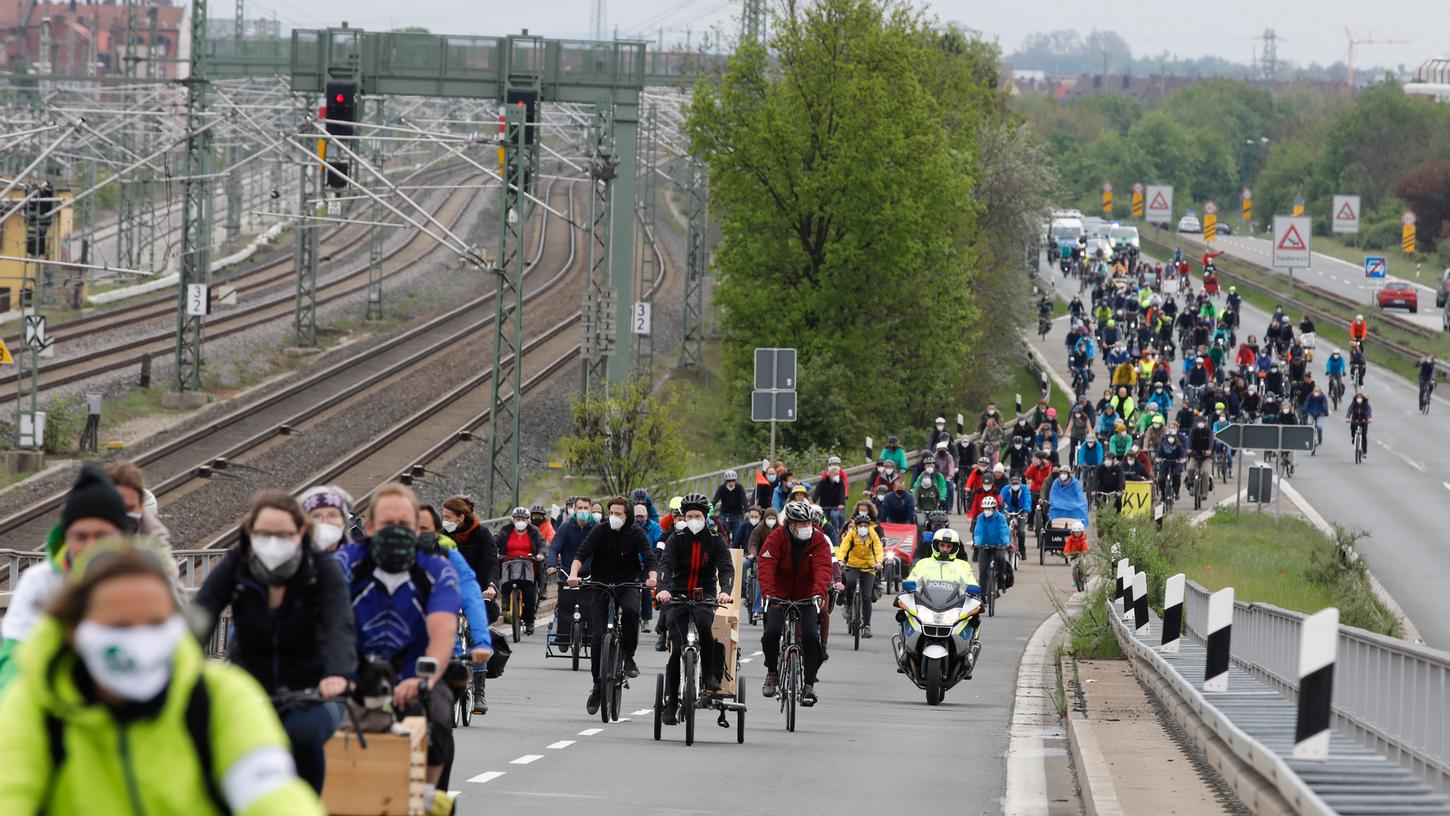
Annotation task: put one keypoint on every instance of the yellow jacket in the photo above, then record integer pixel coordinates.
(854, 552)
(936, 569)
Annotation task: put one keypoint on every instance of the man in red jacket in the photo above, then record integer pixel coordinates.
(794, 565)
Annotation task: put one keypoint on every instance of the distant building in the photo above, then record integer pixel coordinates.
(1431, 79)
(78, 30)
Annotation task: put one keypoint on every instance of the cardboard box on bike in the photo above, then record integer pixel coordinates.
(726, 626)
(386, 778)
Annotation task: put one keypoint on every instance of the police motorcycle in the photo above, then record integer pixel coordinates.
(938, 645)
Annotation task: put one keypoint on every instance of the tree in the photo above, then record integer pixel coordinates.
(625, 438)
(1426, 188)
(848, 226)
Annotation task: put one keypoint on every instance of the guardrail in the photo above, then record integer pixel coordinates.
(1390, 696)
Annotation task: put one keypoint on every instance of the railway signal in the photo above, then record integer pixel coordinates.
(341, 113)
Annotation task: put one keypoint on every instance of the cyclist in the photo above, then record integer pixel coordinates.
(1200, 448)
(405, 603)
(695, 560)
(1234, 299)
(794, 565)
(730, 501)
(1170, 464)
(1017, 498)
(1108, 480)
(1334, 366)
(1359, 416)
(1357, 364)
(1316, 408)
(567, 539)
(292, 623)
(862, 556)
(103, 716)
(1019, 455)
(328, 507)
(614, 550)
(1358, 330)
(1426, 366)
(520, 539)
(1065, 498)
(991, 540)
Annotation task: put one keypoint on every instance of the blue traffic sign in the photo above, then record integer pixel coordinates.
(1375, 267)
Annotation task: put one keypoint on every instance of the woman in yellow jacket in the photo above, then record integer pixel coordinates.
(116, 711)
(861, 555)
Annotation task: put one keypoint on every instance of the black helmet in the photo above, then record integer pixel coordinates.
(694, 501)
(1017, 440)
(520, 512)
(538, 510)
(937, 517)
(861, 518)
(797, 511)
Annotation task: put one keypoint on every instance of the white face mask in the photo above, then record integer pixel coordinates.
(679, 524)
(770, 522)
(863, 532)
(450, 526)
(521, 525)
(803, 533)
(325, 537)
(929, 471)
(133, 662)
(273, 551)
(835, 477)
(695, 525)
(1064, 477)
(989, 513)
(616, 522)
(595, 517)
(754, 520)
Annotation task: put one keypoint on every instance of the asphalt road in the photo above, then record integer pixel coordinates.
(1394, 497)
(1338, 276)
(871, 744)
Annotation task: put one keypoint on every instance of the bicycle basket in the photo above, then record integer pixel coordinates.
(517, 571)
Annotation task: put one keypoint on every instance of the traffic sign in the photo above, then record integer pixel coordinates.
(5, 356)
(34, 335)
(1375, 267)
(1408, 219)
(772, 406)
(1298, 205)
(1160, 204)
(198, 303)
(1210, 208)
(1346, 214)
(775, 369)
(1291, 241)
(1267, 437)
(639, 321)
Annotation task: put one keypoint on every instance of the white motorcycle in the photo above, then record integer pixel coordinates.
(938, 644)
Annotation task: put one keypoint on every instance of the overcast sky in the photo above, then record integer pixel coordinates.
(1310, 30)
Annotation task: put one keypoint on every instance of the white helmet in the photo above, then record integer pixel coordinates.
(731, 476)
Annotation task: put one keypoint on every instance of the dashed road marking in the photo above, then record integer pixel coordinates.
(486, 776)
(756, 654)
(589, 732)
(558, 746)
(526, 759)
(642, 712)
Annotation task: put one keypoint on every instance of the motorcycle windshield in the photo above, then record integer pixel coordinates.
(941, 596)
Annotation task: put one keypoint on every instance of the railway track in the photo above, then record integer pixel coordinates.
(430, 433)
(336, 242)
(123, 355)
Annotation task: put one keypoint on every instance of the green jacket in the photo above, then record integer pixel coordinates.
(897, 455)
(149, 766)
(937, 480)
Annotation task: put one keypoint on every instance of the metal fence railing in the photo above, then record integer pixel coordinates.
(1390, 695)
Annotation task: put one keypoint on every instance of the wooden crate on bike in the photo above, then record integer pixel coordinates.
(387, 778)
(726, 626)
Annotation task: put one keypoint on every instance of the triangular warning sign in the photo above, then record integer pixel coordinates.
(1292, 241)
(5, 358)
(1158, 202)
(1346, 213)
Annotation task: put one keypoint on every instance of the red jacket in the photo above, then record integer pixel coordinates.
(1246, 356)
(1037, 474)
(782, 577)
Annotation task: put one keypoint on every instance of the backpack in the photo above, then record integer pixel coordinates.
(927, 497)
(198, 728)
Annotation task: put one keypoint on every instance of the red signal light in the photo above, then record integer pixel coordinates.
(340, 99)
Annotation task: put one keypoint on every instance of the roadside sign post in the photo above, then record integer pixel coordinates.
(1248, 204)
(774, 397)
(1407, 233)
(1278, 438)
(1210, 221)
(1346, 215)
(1137, 199)
(1291, 244)
(1298, 205)
(1160, 204)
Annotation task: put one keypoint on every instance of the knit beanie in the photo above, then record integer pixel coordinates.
(94, 496)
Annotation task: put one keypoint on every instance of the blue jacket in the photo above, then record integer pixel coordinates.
(1022, 502)
(1089, 455)
(898, 509)
(991, 531)
(741, 536)
(473, 606)
(652, 531)
(1067, 500)
(1107, 422)
(566, 543)
(1334, 366)
(1162, 399)
(1086, 344)
(1316, 406)
(392, 625)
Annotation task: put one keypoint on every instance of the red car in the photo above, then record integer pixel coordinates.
(1399, 293)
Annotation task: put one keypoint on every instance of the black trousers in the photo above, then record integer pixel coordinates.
(531, 599)
(810, 639)
(677, 624)
(1004, 565)
(863, 581)
(597, 602)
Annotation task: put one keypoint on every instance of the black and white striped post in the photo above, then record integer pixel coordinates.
(1125, 586)
(1172, 613)
(1318, 643)
(1218, 631)
(1140, 603)
(1123, 568)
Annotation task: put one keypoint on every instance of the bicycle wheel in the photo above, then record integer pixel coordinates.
(688, 703)
(856, 616)
(659, 705)
(740, 713)
(788, 689)
(989, 588)
(1078, 580)
(606, 672)
(516, 612)
(576, 646)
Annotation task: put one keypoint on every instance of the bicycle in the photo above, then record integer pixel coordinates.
(688, 699)
(1199, 486)
(1427, 387)
(1044, 325)
(792, 657)
(989, 581)
(1221, 462)
(1079, 572)
(1285, 462)
(512, 573)
(855, 609)
(612, 679)
(748, 589)
(1336, 390)
(1016, 545)
(1356, 373)
(1360, 441)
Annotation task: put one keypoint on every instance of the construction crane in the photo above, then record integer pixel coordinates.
(1370, 40)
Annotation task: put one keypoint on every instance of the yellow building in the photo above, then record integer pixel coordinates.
(18, 275)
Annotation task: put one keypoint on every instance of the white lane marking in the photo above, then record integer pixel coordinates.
(642, 712)
(756, 654)
(486, 776)
(526, 759)
(1447, 485)
(589, 732)
(455, 793)
(558, 746)
(746, 659)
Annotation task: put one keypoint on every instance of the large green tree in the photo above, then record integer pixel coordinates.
(843, 167)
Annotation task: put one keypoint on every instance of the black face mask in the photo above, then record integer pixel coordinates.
(393, 548)
(428, 543)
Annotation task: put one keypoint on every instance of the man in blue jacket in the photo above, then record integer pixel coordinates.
(1017, 498)
(992, 538)
(566, 543)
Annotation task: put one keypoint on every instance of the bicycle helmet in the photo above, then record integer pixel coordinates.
(861, 518)
(639, 494)
(937, 517)
(989, 503)
(520, 513)
(538, 510)
(694, 501)
(797, 512)
(834, 460)
(675, 504)
(817, 514)
(731, 476)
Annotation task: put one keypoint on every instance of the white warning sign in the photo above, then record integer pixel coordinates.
(1291, 241)
(1346, 214)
